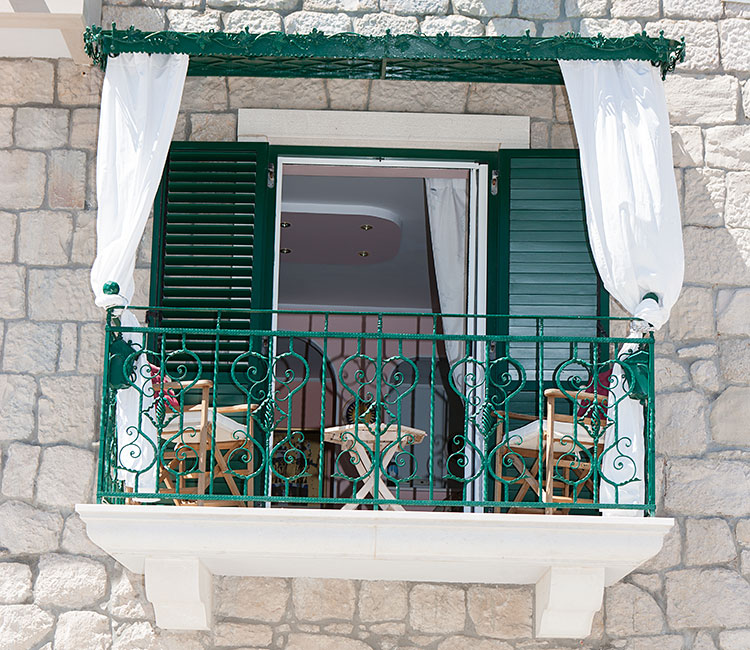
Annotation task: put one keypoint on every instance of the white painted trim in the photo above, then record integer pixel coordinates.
(377, 129)
(549, 551)
(181, 591)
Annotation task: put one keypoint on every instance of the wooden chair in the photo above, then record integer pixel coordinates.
(195, 445)
(566, 474)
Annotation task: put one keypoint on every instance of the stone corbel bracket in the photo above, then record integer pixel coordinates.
(570, 559)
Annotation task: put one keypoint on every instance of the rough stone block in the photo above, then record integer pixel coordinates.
(730, 417)
(6, 127)
(12, 289)
(77, 630)
(746, 95)
(539, 9)
(26, 81)
(259, 599)
(700, 9)
(382, 601)
(733, 308)
(204, 94)
(28, 530)
(705, 375)
(17, 401)
(586, 8)
(737, 213)
(66, 477)
(256, 21)
(67, 409)
(708, 541)
(701, 39)
(705, 351)
(703, 641)
(415, 7)
(236, 634)
(15, 583)
(736, 9)
(717, 255)
(692, 100)
(687, 146)
(454, 25)
(66, 361)
(635, 8)
(148, 19)
(260, 92)
(692, 316)
(539, 136)
(735, 44)
(44, 238)
(500, 612)
(471, 643)
(79, 85)
(19, 473)
(483, 8)
(61, 294)
(681, 424)
(734, 639)
(76, 542)
(615, 28)
(23, 626)
(213, 127)
(705, 195)
(742, 532)
(190, 20)
(511, 99)
(707, 598)
(127, 599)
(271, 5)
(91, 353)
(134, 636)
(348, 94)
(67, 179)
(318, 599)
(631, 611)
(418, 96)
(23, 179)
(324, 642)
(303, 22)
(8, 226)
(84, 239)
(670, 375)
(708, 487)
(379, 24)
(734, 360)
(563, 136)
(335, 6)
(437, 609)
(41, 128)
(728, 147)
(510, 27)
(557, 28)
(69, 582)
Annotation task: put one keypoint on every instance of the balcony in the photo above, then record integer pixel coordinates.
(375, 445)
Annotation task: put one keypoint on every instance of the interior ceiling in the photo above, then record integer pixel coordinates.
(325, 268)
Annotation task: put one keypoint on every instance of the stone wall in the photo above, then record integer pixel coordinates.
(59, 591)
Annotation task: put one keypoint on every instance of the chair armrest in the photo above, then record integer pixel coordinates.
(556, 393)
(201, 383)
(525, 417)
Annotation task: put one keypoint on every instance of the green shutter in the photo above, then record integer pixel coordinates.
(551, 271)
(213, 243)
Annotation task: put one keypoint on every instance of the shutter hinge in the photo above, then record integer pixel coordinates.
(493, 182)
(271, 175)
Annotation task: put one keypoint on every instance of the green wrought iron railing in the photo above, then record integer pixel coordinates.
(376, 410)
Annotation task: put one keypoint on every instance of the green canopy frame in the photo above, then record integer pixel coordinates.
(503, 59)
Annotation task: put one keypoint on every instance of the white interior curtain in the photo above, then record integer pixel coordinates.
(447, 216)
(632, 212)
(140, 100)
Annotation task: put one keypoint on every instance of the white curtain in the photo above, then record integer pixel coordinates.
(140, 100)
(632, 212)
(446, 211)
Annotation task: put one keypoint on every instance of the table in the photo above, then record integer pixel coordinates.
(363, 445)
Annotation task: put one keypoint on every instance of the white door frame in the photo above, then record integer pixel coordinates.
(477, 258)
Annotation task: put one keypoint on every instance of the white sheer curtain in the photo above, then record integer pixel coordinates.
(140, 100)
(446, 211)
(632, 212)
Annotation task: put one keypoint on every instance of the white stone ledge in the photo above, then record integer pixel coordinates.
(569, 558)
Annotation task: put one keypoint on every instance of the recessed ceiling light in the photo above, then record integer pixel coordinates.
(366, 226)
(286, 251)
(363, 253)
(285, 224)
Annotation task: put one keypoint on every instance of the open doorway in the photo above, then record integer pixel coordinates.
(367, 246)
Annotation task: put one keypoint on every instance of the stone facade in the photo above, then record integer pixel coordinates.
(58, 591)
